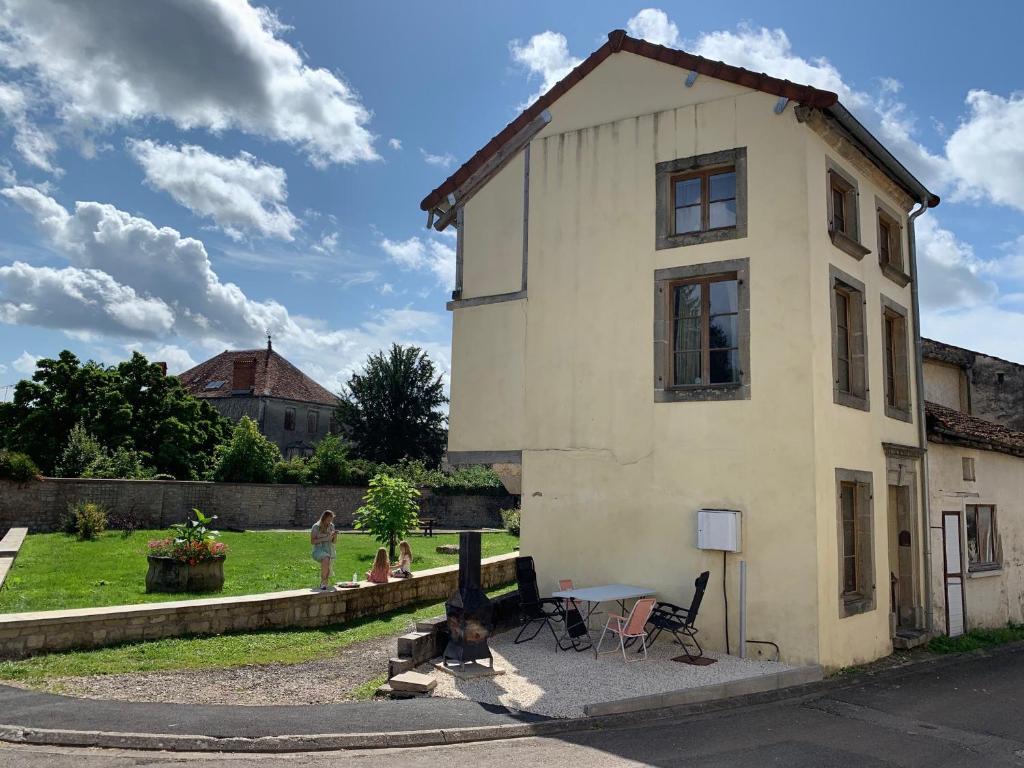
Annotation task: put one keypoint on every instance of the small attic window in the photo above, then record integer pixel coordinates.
(212, 385)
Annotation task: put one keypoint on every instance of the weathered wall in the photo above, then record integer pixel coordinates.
(943, 384)
(268, 413)
(995, 400)
(23, 634)
(157, 504)
(991, 598)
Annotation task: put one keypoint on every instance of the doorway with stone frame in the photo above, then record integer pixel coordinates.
(903, 576)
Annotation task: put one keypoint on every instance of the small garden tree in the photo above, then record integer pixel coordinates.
(248, 457)
(329, 464)
(81, 452)
(389, 511)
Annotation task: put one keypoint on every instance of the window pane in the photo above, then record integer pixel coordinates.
(687, 369)
(686, 301)
(986, 540)
(687, 338)
(844, 376)
(725, 367)
(973, 549)
(722, 214)
(722, 332)
(849, 575)
(688, 219)
(838, 210)
(842, 308)
(723, 186)
(687, 192)
(723, 297)
(843, 342)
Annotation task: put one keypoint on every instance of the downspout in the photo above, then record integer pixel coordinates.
(922, 429)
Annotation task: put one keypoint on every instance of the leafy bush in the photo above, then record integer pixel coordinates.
(389, 510)
(977, 639)
(17, 467)
(330, 464)
(193, 541)
(81, 452)
(248, 457)
(123, 464)
(510, 519)
(86, 520)
(125, 522)
(474, 478)
(293, 471)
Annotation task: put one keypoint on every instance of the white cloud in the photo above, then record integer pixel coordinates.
(987, 149)
(395, 143)
(36, 146)
(951, 275)
(177, 358)
(386, 289)
(327, 243)
(425, 255)
(241, 194)
(653, 25)
(133, 280)
(214, 64)
(447, 160)
(545, 55)
(25, 363)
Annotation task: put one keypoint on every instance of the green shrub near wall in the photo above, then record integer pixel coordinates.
(17, 467)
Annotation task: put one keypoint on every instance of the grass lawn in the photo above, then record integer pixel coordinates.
(977, 639)
(289, 646)
(56, 571)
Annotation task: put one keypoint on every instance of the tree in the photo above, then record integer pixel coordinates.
(80, 453)
(133, 406)
(329, 464)
(389, 511)
(248, 457)
(391, 411)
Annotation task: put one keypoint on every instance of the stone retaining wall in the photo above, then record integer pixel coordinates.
(158, 503)
(24, 634)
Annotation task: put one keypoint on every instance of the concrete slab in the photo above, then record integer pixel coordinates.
(6, 563)
(469, 671)
(12, 541)
(414, 682)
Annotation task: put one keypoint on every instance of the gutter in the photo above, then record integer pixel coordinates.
(922, 429)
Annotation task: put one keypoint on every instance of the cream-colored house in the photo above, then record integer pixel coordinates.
(976, 477)
(682, 285)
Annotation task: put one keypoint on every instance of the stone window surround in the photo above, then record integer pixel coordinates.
(969, 469)
(662, 337)
(890, 307)
(895, 273)
(851, 400)
(864, 602)
(850, 244)
(664, 218)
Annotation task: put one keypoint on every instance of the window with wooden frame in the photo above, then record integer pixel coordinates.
(967, 463)
(982, 538)
(312, 421)
(704, 200)
(705, 331)
(849, 342)
(895, 360)
(701, 199)
(843, 215)
(702, 332)
(289, 419)
(890, 244)
(854, 518)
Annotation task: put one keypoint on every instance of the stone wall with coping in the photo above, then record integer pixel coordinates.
(25, 634)
(157, 503)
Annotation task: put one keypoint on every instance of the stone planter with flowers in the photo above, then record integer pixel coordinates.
(192, 560)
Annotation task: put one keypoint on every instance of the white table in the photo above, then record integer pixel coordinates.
(608, 593)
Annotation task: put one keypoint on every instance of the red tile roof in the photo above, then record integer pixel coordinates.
(274, 377)
(618, 40)
(946, 425)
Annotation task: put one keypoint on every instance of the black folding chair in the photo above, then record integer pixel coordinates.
(542, 612)
(680, 622)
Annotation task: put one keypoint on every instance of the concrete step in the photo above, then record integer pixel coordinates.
(397, 666)
(417, 645)
(391, 693)
(432, 625)
(12, 541)
(5, 568)
(904, 640)
(412, 682)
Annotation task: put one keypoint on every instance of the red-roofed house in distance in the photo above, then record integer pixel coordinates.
(290, 408)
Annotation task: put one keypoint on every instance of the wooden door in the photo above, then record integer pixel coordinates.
(953, 577)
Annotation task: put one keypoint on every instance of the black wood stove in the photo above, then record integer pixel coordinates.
(469, 610)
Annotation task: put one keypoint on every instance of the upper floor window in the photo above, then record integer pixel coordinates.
(289, 419)
(843, 215)
(702, 332)
(701, 199)
(849, 343)
(890, 244)
(312, 421)
(896, 360)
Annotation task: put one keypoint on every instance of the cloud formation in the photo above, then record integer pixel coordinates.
(424, 255)
(545, 55)
(654, 26)
(101, 63)
(241, 194)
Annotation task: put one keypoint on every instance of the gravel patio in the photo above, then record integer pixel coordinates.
(539, 680)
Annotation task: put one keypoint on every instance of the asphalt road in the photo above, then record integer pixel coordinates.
(970, 714)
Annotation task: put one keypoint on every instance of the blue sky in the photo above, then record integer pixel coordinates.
(177, 177)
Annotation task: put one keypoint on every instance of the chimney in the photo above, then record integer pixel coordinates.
(163, 367)
(243, 375)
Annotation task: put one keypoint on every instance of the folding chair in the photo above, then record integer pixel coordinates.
(629, 627)
(542, 612)
(680, 622)
(577, 634)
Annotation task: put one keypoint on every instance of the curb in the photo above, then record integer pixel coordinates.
(658, 707)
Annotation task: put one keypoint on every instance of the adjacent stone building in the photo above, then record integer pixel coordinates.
(975, 383)
(290, 408)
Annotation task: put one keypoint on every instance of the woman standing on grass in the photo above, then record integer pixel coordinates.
(322, 536)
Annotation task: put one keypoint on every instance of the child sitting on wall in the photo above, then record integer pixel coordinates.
(378, 574)
(403, 570)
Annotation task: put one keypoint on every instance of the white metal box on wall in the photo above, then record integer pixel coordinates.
(718, 529)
